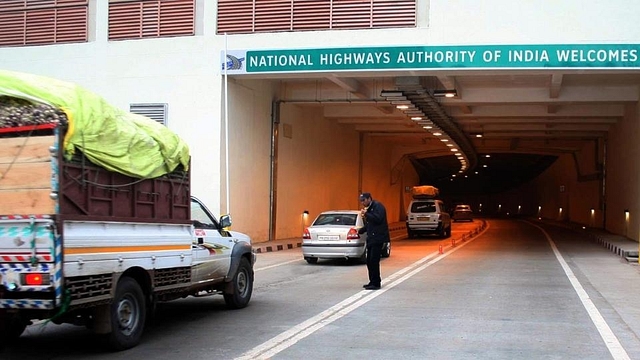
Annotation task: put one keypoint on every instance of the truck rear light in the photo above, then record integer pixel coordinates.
(353, 234)
(36, 279)
(306, 234)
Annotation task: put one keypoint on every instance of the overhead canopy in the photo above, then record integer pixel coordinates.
(119, 141)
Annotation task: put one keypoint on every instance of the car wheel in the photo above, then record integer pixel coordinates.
(242, 286)
(311, 260)
(128, 314)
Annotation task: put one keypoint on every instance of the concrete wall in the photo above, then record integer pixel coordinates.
(623, 157)
(317, 168)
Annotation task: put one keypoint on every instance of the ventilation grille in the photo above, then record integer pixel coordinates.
(135, 19)
(42, 22)
(248, 16)
(157, 112)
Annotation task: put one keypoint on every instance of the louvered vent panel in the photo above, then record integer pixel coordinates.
(125, 20)
(351, 14)
(71, 24)
(157, 112)
(247, 16)
(41, 26)
(39, 22)
(145, 18)
(235, 16)
(177, 18)
(150, 19)
(273, 15)
(311, 15)
(12, 28)
(390, 13)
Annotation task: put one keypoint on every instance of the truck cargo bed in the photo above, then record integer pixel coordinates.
(30, 173)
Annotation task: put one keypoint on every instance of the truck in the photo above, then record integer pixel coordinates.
(93, 241)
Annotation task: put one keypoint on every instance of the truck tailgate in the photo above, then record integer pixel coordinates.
(30, 263)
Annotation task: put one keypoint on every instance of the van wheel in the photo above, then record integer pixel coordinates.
(128, 314)
(242, 286)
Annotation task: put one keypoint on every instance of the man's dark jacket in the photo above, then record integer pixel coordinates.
(376, 225)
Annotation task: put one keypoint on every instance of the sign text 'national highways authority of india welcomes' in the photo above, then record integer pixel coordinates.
(445, 57)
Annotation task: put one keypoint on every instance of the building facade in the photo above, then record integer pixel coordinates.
(263, 144)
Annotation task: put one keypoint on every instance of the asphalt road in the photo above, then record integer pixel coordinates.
(516, 291)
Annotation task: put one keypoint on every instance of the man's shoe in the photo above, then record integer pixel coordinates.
(365, 285)
(372, 287)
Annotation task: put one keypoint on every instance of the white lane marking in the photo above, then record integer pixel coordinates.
(288, 338)
(610, 339)
(276, 265)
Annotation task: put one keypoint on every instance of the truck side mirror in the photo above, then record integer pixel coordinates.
(225, 221)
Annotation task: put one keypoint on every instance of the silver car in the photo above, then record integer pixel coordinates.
(334, 235)
(462, 212)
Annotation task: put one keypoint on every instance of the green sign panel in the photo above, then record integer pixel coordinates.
(604, 56)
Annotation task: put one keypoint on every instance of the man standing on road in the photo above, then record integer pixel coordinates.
(377, 229)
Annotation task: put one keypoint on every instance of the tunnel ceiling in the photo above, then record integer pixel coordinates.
(527, 119)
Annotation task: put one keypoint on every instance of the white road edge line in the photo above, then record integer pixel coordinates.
(610, 339)
(288, 338)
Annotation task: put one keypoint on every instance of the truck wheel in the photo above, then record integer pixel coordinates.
(242, 287)
(128, 314)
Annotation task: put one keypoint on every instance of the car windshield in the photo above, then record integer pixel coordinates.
(462, 207)
(423, 207)
(336, 219)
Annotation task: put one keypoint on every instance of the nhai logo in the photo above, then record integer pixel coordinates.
(233, 63)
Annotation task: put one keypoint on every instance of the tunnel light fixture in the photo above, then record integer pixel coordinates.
(437, 133)
(402, 107)
(445, 93)
(454, 150)
(416, 118)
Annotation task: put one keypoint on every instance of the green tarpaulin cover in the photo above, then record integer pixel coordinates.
(119, 141)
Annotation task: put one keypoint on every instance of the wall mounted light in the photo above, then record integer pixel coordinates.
(306, 212)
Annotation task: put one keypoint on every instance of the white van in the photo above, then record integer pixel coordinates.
(428, 216)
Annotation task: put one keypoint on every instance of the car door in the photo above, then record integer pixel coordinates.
(211, 247)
